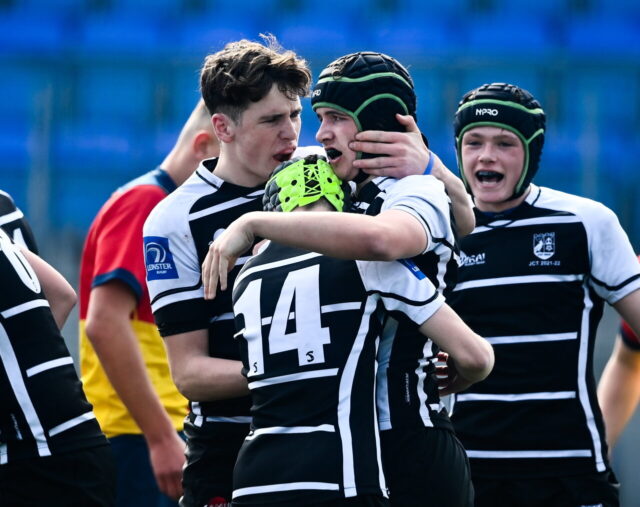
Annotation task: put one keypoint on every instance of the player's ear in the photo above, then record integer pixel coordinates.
(205, 144)
(223, 126)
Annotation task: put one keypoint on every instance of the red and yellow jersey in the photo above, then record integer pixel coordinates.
(113, 251)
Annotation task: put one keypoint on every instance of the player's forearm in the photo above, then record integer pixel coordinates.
(120, 356)
(619, 391)
(473, 355)
(210, 378)
(60, 294)
(460, 200)
(341, 235)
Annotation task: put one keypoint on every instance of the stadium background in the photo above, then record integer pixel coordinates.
(94, 92)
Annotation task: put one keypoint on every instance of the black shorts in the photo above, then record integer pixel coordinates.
(594, 490)
(84, 478)
(211, 454)
(356, 501)
(426, 466)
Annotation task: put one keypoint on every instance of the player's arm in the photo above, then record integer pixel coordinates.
(60, 294)
(393, 234)
(406, 155)
(108, 327)
(471, 354)
(198, 376)
(619, 390)
(619, 387)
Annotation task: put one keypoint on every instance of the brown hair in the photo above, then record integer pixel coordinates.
(245, 71)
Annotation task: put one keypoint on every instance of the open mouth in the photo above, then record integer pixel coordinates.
(489, 176)
(283, 157)
(333, 154)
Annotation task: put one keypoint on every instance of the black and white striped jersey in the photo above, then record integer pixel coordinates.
(13, 222)
(43, 410)
(533, 283)
(309, 327)
(407, 391)
(177, 235)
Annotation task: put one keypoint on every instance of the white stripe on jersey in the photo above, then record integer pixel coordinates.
(48, 365)
(557, 395)
(529, 221)
(577, 453)
(177, 297)
(283, 430)
(225, 205)
(24, 307)
(222, 316)
(423, 362)
(71, 423)
(330, 372)
(583, 391)
(276, 264)
(525, 338)
(339, 307)
(16, 381)
(344, 404)
(510, 280)
(382, 392)
(289, 486)
(3, 454)
(10, 217)
(240, 419)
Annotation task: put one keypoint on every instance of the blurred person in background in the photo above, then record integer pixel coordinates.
(619, 387)
(122, 357)
(52, 450)
(534, 276)
(14, 223)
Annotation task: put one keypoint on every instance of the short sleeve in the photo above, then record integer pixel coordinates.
(402, 288)
(119, 237)
(425, 198)
(615, 271)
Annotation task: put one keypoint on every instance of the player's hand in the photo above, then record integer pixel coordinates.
(447, 376)
(406, 153)
(223, 254)
(167, 460)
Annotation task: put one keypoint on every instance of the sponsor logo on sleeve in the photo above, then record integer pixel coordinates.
(158, 258)
(411, 266)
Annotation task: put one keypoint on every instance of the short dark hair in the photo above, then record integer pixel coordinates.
(245, 71)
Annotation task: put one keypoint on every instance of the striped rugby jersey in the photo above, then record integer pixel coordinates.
(309, 326)
(13, 222)
(43, 410)
(176, 240)
(407, 391)
(533, 283)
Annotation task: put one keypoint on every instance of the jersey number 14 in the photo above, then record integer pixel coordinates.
(301, 287)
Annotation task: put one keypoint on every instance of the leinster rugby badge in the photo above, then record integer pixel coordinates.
(544, 245)
(160, 265)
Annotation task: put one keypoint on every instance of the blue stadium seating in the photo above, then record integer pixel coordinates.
(600, 99)
(603, 35)
(504, 34)
(116, 93)
(33, 32)
(425, 35)
(117, 35)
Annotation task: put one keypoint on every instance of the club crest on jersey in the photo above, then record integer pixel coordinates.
(160, 265)
(544, 245)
